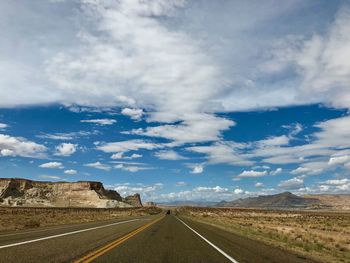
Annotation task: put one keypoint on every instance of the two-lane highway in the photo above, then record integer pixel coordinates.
(162, 238)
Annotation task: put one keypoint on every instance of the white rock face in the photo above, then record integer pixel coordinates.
(23, 192)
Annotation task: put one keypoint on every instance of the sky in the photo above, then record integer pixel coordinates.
(177, 100)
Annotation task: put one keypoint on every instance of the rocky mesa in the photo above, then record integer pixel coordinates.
(24, 192)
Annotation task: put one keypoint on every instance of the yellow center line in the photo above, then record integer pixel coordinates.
(99, 252)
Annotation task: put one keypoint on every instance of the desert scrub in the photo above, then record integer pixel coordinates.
(324, 236)
(17, 218)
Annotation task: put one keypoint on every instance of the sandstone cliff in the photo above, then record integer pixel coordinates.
(23, 192)
(134, 200)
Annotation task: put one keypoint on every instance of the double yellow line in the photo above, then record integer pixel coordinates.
(99, 252)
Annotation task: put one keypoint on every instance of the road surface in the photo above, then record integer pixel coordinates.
(161, 238)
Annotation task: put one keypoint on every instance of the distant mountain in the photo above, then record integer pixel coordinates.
(282, 200)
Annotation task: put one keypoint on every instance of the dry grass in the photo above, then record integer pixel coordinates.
(324, 236)
(17, 218)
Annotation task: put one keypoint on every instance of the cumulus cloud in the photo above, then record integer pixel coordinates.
(335, 186)
(202, 193)
(252, 173)
(99, 165)
(197, 168)
(18, 146)
(169, 155)
(52, 165)
(259, 185)
(147, 192)
(70, 172)
(100, 121)
(120, 155)
(291, 184)
(238, 191)
(66, 149)
(3, 126)
(135, 114)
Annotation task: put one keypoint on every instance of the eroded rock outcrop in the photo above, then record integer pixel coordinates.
(23, 192)
(134, 200)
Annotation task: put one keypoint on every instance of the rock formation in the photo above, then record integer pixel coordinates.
(134, 200)
(23, 192)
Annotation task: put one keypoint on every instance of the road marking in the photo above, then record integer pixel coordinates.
(51, 229)
(68, 233)
(99, 252)
(210, 243)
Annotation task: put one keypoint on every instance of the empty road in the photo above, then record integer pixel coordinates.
(161, 238)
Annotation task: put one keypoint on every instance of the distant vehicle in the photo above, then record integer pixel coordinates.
(168, 212)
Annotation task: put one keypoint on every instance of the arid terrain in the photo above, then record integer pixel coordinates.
(324, 236)
(18, 218)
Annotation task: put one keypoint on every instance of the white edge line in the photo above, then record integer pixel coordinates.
(206, 240)
(66, 234)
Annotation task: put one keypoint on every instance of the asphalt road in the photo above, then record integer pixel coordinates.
(163, 238)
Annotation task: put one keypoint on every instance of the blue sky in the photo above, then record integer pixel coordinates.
(177, 100)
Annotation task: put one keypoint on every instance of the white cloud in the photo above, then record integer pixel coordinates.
(335, 186)
(70, 171)
(293, 183)
(197, 168)
(300, 170)
(7, 152)
(259, 185)
(195, 128)
(68, 136)
(135, 114)
(322, 62)
(120, 155)
(252, 173)
(202, 193)
(147, 192)
(223, 152)
(238, 191)
(181, 183)
(126, 146)
(277, 171)
(66, 149)
(169, 155)
(52, 165)
(339, 160)
(274, 141)
(3, 126)
(131, 168)
(99, 165)
(18, 146)
(100, 121)
(337, 181)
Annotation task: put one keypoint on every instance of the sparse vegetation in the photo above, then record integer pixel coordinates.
(17, 218)
(324, 236)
